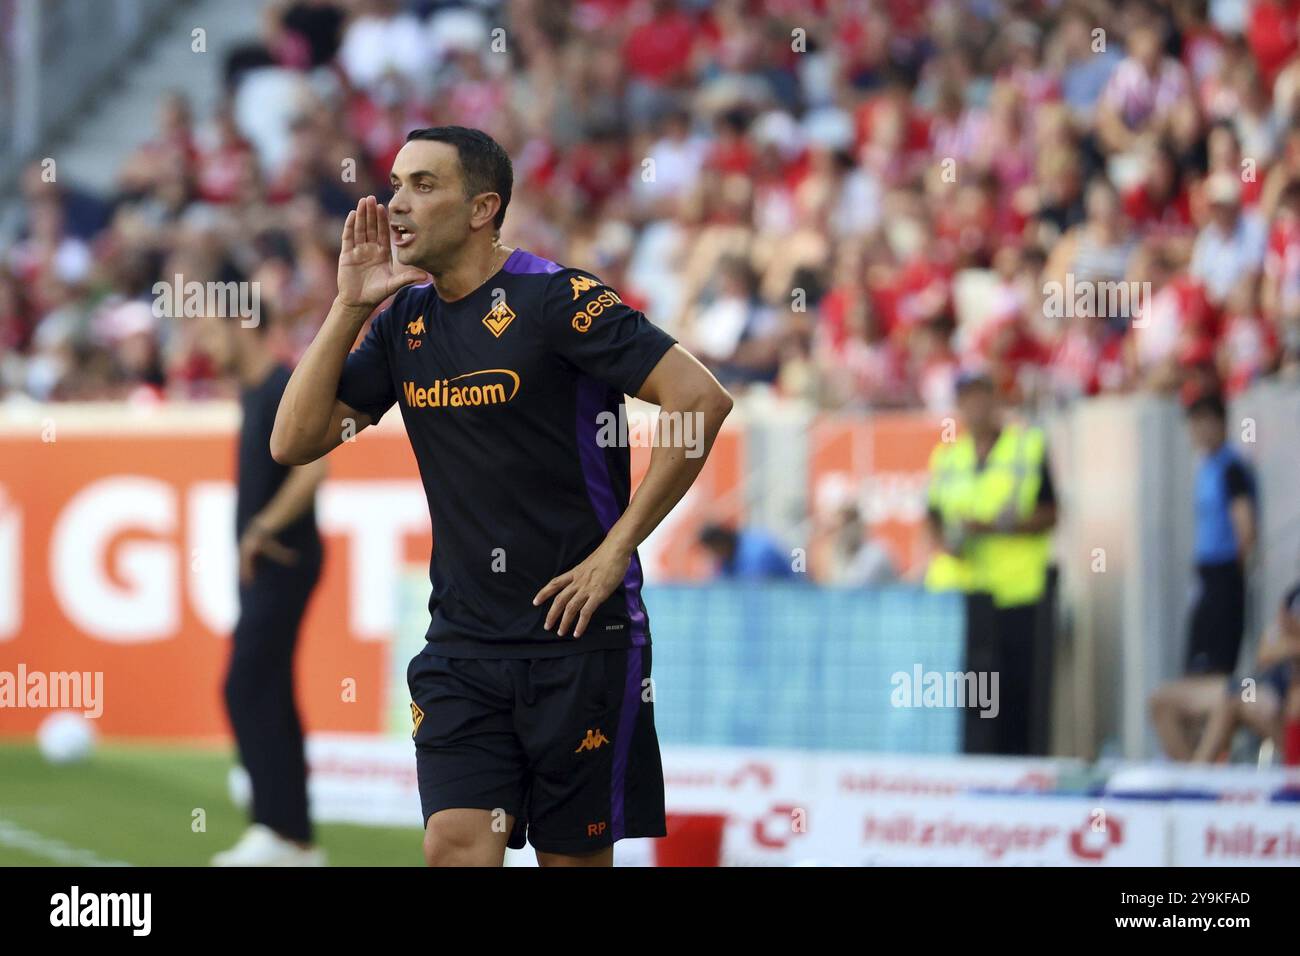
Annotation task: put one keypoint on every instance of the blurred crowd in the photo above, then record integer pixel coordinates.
(840, 201)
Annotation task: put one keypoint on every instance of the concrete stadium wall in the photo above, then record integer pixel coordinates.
(1125, 467)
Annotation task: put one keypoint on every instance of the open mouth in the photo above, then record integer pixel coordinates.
(402, 236)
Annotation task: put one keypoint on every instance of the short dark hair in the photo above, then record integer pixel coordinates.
(485, 166)
(1207, 403)
(717, 536)
(969, 380)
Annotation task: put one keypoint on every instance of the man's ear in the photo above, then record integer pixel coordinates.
(485, 209)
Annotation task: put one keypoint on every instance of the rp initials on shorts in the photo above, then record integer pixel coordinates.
(595, 829)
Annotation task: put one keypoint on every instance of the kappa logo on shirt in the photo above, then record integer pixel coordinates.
(413, 329)
(500, 316)
(593, 740)
(582, 284)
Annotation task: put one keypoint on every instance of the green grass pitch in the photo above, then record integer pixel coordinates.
(135, 804)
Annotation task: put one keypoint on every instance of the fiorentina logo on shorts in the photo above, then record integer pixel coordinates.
(417, 715)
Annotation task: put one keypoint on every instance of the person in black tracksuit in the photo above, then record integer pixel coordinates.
(279, 565)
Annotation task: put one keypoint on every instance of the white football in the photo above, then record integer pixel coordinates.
(240, 786)
(66, 737)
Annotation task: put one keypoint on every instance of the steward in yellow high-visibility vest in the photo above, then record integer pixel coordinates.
(982, 508)
(991, 509)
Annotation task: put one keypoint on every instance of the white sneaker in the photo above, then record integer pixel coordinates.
(262, 846)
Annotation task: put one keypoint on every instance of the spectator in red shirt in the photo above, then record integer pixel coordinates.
(893, 135)
(1176, 312)
(732, 151)
(173, 147)
(1012, 357)
(15, 324)
(1247, 346)
(1159, 204)
(658, 50)
(657, 54)
(1088, 360)
(1280, 297)
(221, 159)
(1272, 34)
(1224, 153)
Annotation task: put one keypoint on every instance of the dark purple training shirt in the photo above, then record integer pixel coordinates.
(509, 396)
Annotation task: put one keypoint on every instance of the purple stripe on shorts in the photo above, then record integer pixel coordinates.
(591, 402)
(523, 263)
(623, 741)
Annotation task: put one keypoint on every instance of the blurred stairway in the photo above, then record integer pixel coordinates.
(95, 147)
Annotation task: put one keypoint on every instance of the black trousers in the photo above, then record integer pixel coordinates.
(1218, 619)
(1005, 642)
(259, 692)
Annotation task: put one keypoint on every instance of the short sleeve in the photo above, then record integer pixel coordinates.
(367, 381)
(1238, 481)
(590, 326)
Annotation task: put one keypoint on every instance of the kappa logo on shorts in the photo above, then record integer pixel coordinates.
(593, 740)
(417, 715)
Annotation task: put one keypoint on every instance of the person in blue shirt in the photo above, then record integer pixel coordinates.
(746, 554)
(1225, 533)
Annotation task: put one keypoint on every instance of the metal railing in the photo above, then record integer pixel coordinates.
(54, 56)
